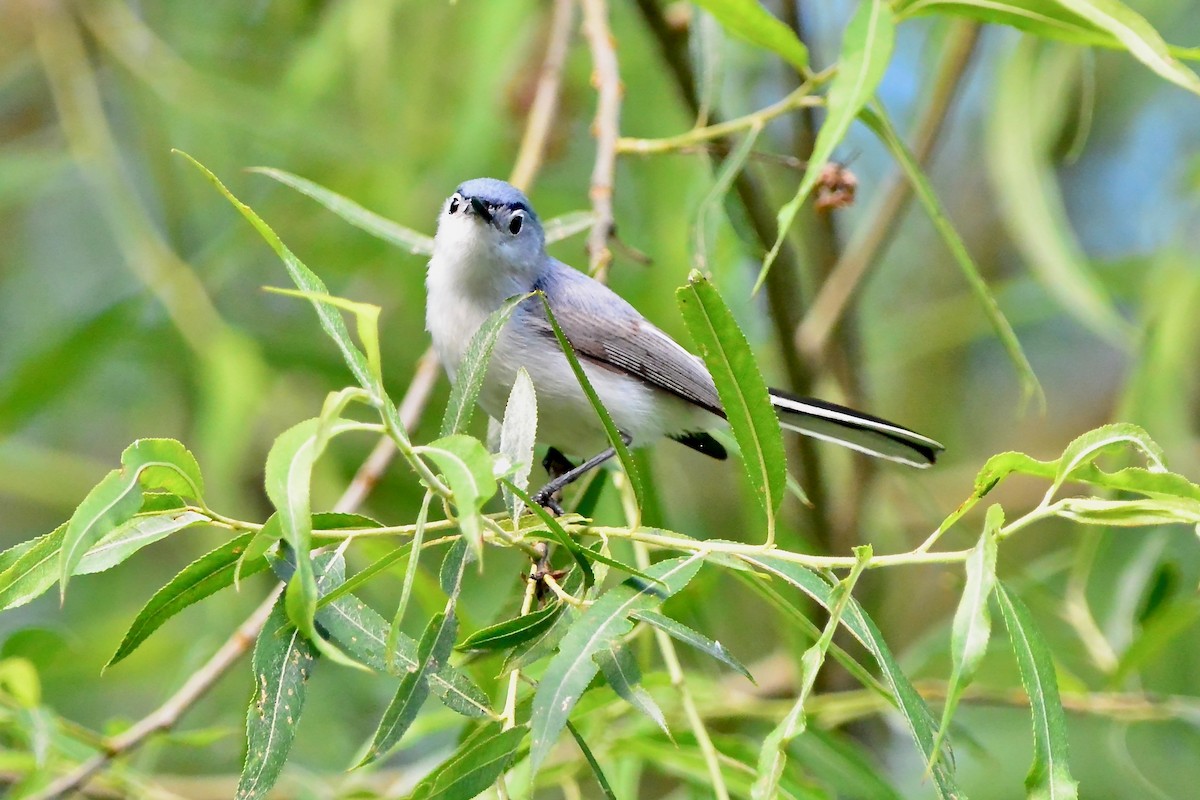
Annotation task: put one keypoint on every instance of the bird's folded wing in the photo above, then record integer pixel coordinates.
(606, 330)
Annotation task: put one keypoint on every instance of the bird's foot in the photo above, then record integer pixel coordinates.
(549, 501)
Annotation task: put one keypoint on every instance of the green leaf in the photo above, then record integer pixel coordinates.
(743, 391)
(1049, 777)
(1023, 129)
(620, 669)
(204, 577)
(366, 319)
(680, 632)
(283, 661)
(512, 632)
(843, 764)
(731, 167)
(572, 669)
(1055, 19)
(410, 575)
(878, 122)
(772, 757)
(972, 622)
(1086, 448)
(593, 764)
(363, 633)
(305, 280)
(432, 652)
(132, 536)
(1128, 513)
(150, 463)
(518, 435)
(467, 380)
(866, 52)
(912, 707)
(1137, 36)
(374, 224)
(288, 477)
(610, 428)
(750, 21)
(476, 765)
(30, 568)
(467, 467)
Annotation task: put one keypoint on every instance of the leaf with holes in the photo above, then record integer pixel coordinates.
(283, 660)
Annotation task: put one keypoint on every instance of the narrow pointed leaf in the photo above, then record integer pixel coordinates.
(588, 756)
(283, 660)
(1030, 386)
(772, 757)
(288, 477)
(518, 435)
(378, 226)
(579, 553)
(204, 577)
(31, 568)
(750, 21)
(911, 705)
(621, 671)
(866, 52)
(468, 378)
(610, 428)
(467, 467)
(512, 632)
(363, 633)
(742, 389)
(692, 638)
(131, 537)
(432, 652)
(972, 626)
(476, 765)
(572, 669)
(305, 280)
(1049, 778)
(1019, 149)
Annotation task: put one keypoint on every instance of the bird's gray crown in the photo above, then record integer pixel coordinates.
(498, 193)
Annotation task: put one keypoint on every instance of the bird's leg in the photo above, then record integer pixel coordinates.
(545, 496)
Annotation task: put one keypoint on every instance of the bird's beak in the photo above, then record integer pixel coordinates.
(481, 210)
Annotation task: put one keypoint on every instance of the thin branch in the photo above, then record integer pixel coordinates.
(607, 80)
(813, 334)
(165, 716)
(545, 100)
(800, 98)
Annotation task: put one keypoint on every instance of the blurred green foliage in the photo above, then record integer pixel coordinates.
(130, 307)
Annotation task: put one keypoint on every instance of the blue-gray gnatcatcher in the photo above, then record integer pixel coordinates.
(490, 247)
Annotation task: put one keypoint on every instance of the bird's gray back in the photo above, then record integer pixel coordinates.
(605, 329)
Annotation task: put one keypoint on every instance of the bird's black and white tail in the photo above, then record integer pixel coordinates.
(854, 429)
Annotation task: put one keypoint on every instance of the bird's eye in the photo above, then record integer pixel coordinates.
(454, 204)
(514, 224)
